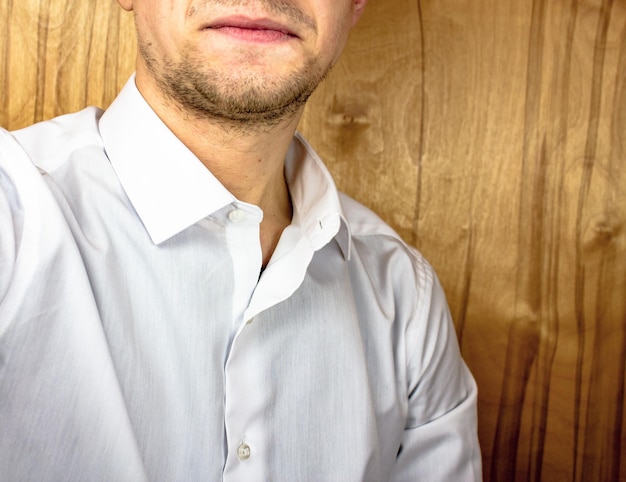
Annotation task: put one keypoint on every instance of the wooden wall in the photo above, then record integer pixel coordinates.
(492, 135)
(57, 56)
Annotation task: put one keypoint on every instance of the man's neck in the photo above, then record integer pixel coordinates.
(252, 168)
(248, 161)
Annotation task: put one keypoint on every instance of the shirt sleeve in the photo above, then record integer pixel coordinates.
(440, 440)
(11, 219)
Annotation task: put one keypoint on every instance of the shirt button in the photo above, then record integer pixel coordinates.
(236, 215)
(243, 451)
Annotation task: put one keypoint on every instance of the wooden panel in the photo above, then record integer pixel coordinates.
(492, 135)
(60, 55)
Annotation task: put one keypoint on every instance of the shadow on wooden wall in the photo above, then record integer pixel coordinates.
(492, 135)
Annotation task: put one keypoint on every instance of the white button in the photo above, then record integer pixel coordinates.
(243, 451)
(236, 215)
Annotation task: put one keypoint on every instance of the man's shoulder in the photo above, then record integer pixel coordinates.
(27, 211)
(363, 221)
(16, 167)
(50, 143)
(374, 239)
(26, 200)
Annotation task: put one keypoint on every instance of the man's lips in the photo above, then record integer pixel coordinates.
(251, 29)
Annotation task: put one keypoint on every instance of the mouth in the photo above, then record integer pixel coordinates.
(256, 30)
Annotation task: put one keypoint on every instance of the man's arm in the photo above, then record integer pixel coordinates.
(440, 438)
(11, 217)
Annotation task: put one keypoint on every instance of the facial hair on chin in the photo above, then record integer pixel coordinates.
(245, 99)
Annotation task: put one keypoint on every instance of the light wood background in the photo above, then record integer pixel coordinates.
(492, 135)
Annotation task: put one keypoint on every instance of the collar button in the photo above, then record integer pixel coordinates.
(236, 216)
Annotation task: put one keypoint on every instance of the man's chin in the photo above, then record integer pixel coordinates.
(237, 99)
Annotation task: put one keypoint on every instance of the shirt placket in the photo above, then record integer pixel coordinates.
(243, 386)
(242, 237)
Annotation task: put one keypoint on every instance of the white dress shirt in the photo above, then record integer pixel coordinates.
(138, 342)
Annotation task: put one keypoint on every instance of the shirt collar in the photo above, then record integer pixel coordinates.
(171, 189)
(316, 204)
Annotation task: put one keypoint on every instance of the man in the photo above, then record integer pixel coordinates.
(185, 295)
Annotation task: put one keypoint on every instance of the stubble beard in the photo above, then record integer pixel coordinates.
(238, 100)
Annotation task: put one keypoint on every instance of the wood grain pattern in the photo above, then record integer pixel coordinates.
(492, 135)
(60, 55)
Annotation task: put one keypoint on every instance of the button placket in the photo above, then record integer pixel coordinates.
(244, 402)
(242, 235)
